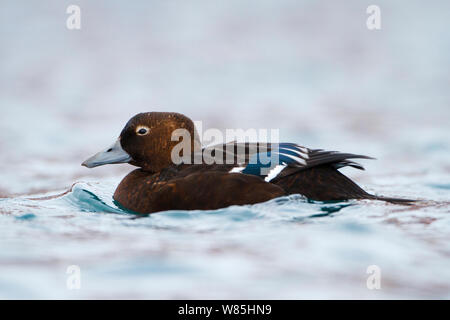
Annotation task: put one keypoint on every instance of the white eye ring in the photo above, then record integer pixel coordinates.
(142, 130)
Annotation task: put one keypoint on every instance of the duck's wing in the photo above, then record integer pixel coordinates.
(316, 157)
(232, 153)
(276, 160)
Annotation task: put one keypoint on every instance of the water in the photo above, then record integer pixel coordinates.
(285, 248)
(310, 69)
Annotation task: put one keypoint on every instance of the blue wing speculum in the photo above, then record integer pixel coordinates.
(270, 163)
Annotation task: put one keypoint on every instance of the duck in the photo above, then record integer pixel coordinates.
(176, 173)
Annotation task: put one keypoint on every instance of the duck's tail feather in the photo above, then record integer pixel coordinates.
(325, 183)
(393, 200)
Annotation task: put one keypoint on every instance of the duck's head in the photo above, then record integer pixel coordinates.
(147, 141)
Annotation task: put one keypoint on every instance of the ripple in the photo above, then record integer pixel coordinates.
(235, 246)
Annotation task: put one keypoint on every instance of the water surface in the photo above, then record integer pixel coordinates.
(311, 69)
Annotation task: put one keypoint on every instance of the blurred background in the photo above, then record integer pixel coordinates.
(311, 69)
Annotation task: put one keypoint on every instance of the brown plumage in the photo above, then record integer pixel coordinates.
(146, 141)
(145, 193)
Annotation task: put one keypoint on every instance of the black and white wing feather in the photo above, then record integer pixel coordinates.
(272, 161)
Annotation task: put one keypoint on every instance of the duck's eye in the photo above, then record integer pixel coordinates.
(142, 131)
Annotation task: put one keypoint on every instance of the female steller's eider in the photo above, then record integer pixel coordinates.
(159, 184)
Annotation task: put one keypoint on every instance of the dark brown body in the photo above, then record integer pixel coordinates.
(190, 188)
(204, 187)
(322, 183)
